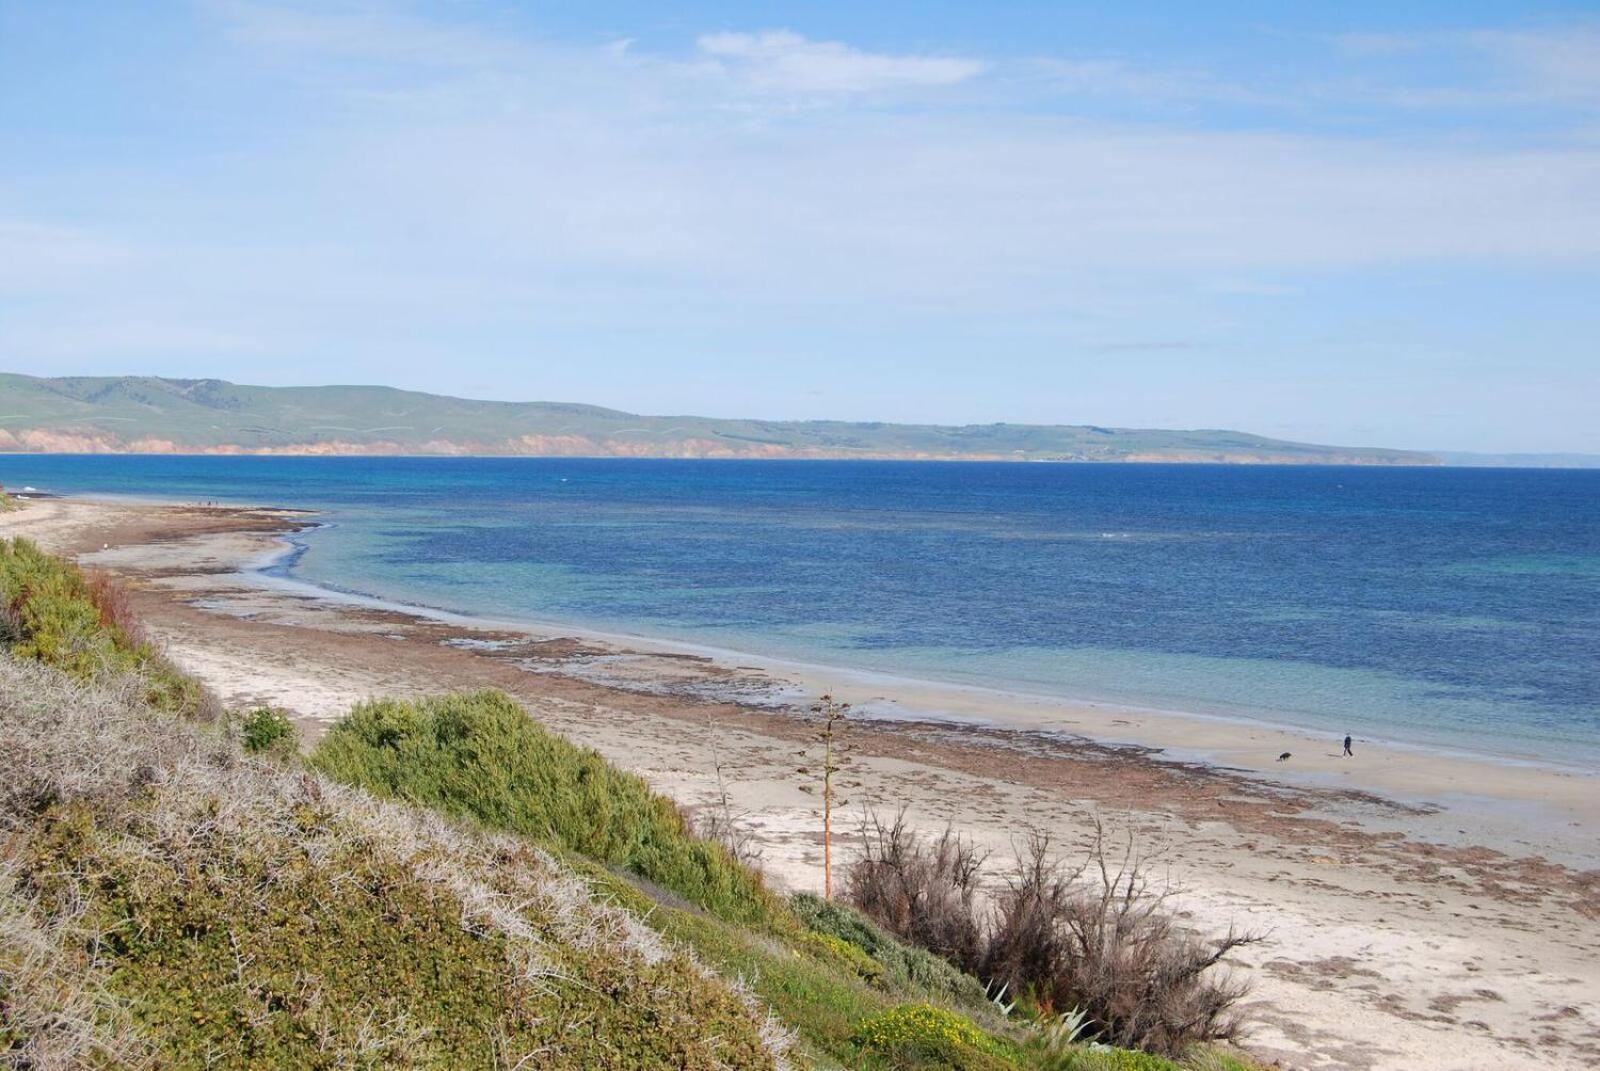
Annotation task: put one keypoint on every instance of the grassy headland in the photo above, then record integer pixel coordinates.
(146, 414)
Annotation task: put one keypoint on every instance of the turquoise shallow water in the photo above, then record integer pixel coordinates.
(1450, 607)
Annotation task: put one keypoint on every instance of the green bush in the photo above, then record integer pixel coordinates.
(1086, 1058)
(917, 1024)
(842, 954)
(924, 1036)
(480, 755)
(48, 615)
(50, 612)
(904, 966)
(822, 968)
(266, 729)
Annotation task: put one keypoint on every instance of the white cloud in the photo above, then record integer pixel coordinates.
(604, 169)
(1483, 69)
(1561, 65)
(783, 61)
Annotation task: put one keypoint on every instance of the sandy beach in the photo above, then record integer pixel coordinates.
(1418, 909)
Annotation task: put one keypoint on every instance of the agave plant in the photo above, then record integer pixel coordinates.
(998, 998)
(1065, 1029)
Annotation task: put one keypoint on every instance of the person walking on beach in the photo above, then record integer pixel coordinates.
(1347, 750)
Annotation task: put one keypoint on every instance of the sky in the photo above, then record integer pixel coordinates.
(1357, 223)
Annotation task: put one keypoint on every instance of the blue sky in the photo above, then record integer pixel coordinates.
(1355, 223)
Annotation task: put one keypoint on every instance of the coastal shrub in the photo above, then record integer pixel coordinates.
(820, 991)
(1098, 938)
(1101, 1058)
(481, 756)
(925, 1036)
(51, 1014)
(842, 954)
(266, 729)
(84, 625)
(822, 1000)
(917, 1024)
(902, 966)
(1217, 1058)
(813, 986)
(48, 614)
(182, 906)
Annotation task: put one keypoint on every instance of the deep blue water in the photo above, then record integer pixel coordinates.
(1454, 606)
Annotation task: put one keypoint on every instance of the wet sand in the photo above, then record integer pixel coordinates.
(1419, 910)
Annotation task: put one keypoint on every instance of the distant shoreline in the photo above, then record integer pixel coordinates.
(1444, 460)
(970, 459)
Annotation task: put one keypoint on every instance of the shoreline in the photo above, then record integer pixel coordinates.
(1235, 743)
(870, 679)
(1387, 949)
(1172, 724)
(876, 459)
(1413, 775)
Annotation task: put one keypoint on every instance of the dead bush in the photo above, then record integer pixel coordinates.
(1102, 938)
(719, 822)
(1099, 938)
(920, 889)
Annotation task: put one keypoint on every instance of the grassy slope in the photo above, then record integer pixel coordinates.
(480, 756)
(153, 414)
(166, 899)
(823, 970)
(227, 913)
(855, 996)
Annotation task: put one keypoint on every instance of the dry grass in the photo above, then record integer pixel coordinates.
(53, 1016)
(201, 848)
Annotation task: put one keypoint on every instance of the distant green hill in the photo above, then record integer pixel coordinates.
(146, 414)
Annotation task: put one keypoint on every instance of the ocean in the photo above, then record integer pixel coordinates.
(1441, 607)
